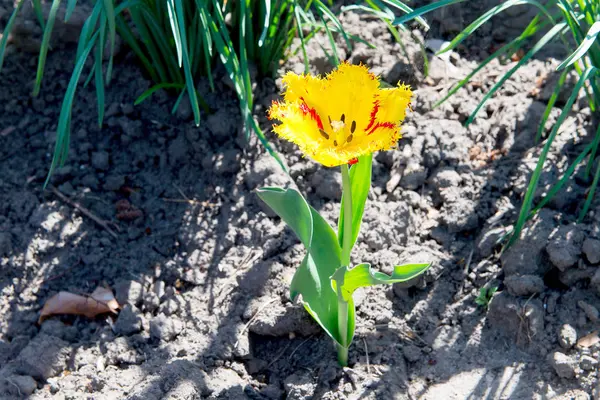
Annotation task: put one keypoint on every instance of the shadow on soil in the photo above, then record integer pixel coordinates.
(52, 249)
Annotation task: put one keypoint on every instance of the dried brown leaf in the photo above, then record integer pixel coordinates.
(588, 340)
(100, 301)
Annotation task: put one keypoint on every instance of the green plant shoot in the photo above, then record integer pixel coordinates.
(339, 120)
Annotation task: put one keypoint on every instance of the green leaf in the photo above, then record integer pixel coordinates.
(486, 16)
(348, 280)
(110, 16)
(360, 183)
(535, 177)
(589, 40)
(44, 46)
(312, 280)
(292, 208)
(362, 275)
(424, 10)
(7, 29)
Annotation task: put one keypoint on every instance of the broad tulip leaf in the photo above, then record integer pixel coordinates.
(348, 280)
(360, 183)
(312, 280)
(292, 208)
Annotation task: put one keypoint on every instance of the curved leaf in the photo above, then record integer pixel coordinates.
(312, 280)
(589, 40)
(362, 275)
(360, 183)
(292, 208)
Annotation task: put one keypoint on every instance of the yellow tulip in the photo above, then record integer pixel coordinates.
(336, 119)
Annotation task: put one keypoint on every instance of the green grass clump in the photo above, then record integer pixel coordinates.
(570, 22)
(178, 42)
(576, 24)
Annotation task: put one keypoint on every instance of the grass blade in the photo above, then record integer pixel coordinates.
(127, 35)
(595, 143)
(424, 10)
(87, 30)
(153, 89)
(110, 17)
(486, 16)
(175, 30)
(99, 83)
(189, 79)
(556, 29)
(45, 45)
(266, 23)
(533, 182)
(589, 40)
(39, 14)
(70, 8)
(336, 57)
(7, 30)
(558, 185)
(590, 196)
(64, 121)
(406, 9)
(297, 11)
(325, 10)
(551, 101)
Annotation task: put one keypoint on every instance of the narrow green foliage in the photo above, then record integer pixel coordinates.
(590, 196)
(533, 182)
(554, 21)
(7, 30)
(485, 296)
(45, 45)
(360, 181)
(179, 41)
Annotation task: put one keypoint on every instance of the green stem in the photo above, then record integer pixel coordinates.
(347, 195)
(346, 248)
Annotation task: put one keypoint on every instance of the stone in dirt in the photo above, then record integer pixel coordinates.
(595, 281)
(44, 357)
(564, 365)
(128, 322)
(5, 244)
(129, 291)
(588, 363)
(590, 311)
(121, 351)
(279, 320)
(225, 383)
(524, 285)
(525, 255)
(25, 384)
(519, 319)
(564, 246)
(489, 239)
(300, 386)
(567, 336)
(591, 249)
(100, 160)
(165, 328)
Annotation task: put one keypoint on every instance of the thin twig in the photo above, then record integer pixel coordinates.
(84, 211)
(246, 262)
(15, 385)
(367, 354)
(252, 320)
(279, 355)
(300, 345)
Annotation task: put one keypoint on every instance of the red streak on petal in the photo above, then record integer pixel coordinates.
(353, 161)
(389, 125)
(373, 115)
(312, 112)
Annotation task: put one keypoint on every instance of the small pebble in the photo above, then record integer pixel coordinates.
(567, 336)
